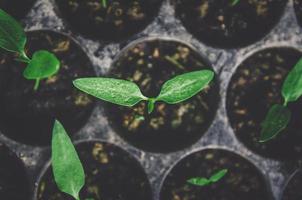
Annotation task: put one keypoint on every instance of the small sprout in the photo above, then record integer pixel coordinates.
(201, 181)
(276, 120)
(126, 93)
(279, 116)
(13, 39)
(292, 86)
(234, 2)
(139, 117)
(42, 65)
(66, 165)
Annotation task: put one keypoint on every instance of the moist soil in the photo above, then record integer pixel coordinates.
(254, 88)
(13, 181)
(218, 23)
(243, 180)
(111, 174)
(293, 188)
(26, 115)
(119, 20)
(169, 127)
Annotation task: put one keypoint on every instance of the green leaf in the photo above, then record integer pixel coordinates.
(67, 168)
(201, 181)
(276, 120)
(219, 175)
(292, 86)
(183, 87)
(117, 91)
(12, 35)
(43, 65)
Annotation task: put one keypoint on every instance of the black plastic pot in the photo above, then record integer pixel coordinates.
(111, 174)
(13, 181)
(219, 23)
(254, 88)
(292, 190)
(16, 8)
(119, 20)
(150, 63)
(27, 115)
(243, 180)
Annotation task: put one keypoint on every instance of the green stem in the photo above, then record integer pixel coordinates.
(37, 83)
(151, 103)
(104, 3)
(285, 102)
(24, 57)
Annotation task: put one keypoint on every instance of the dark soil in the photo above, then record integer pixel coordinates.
(13, 181)
(293, 188)
(218, 23)
(119, 20)
(243, 180)
(18, 9)
(111, 174)
(27, 116)
(169, 127)
(254, 88)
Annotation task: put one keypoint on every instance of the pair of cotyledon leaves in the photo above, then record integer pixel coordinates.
(127, 93)
(13, 39)
(202, 181)
(67, 168)
(279, 116)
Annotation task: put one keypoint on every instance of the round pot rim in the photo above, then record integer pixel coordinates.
(265, 179)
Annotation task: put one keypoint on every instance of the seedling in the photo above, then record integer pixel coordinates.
(42, 65)
(67, 168)
(279, 116)
(127, 93)
(202, 181)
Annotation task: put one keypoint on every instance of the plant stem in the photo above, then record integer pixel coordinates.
(104, 3)
(24, 58)
(151, 103)
(37, 83)
(285, 102)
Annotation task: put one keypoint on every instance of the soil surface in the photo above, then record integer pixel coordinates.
(169, 127)
(219, 23)
(13, 180)
(27, 115)
(243, 180)
(111, 174)
(118, 20)
(254, 88)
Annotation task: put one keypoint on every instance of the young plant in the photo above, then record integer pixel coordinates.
(66, 165)
(127, 93)
(42, 65)
(279, 116)
(201, 181)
